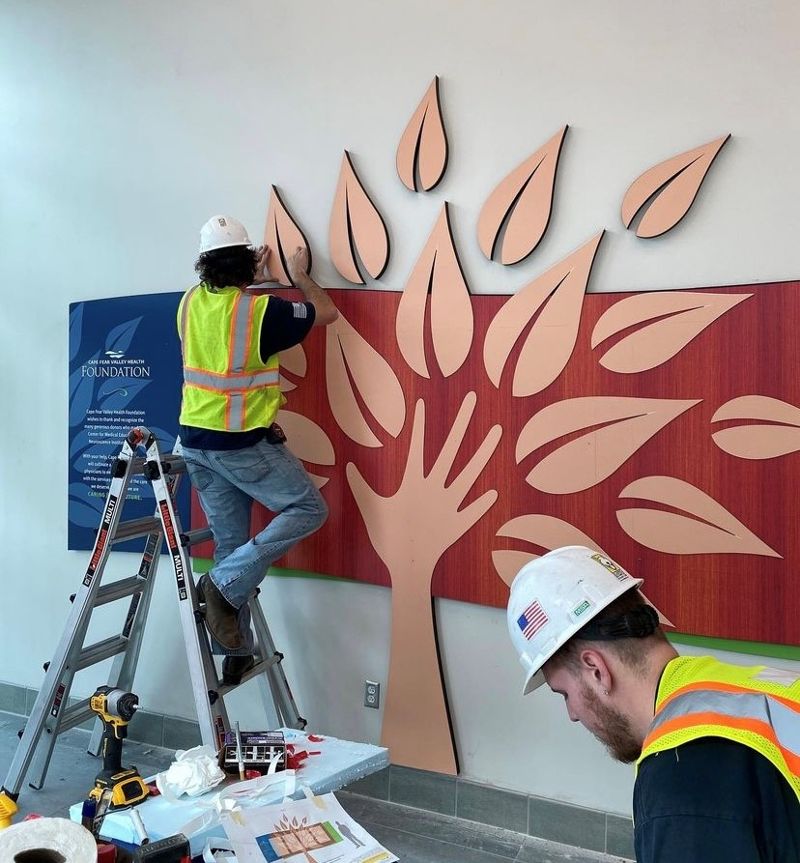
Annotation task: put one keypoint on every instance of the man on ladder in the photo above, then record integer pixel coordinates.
(234, 451)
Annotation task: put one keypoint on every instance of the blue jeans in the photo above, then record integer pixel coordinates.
(227, 482)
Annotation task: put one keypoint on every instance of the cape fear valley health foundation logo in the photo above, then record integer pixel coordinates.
(115, 365)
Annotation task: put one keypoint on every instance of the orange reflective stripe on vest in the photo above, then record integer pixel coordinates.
(755, 712)
(230, 383)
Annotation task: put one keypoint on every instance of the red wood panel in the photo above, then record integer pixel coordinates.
(748, 350)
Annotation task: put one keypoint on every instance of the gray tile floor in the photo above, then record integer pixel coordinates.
(414, 835)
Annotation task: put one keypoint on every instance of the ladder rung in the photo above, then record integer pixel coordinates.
(258, 668)
(119, 589)
(136, 527)
(101, 650)
(75, 714)
(192, 537)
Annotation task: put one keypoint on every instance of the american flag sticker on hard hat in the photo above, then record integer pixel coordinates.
(532, 619)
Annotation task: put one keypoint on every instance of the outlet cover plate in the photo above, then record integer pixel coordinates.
(372, 694)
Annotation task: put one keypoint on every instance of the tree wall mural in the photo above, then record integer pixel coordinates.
(456, 435)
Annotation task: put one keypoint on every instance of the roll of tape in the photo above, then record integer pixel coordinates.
(47, 840)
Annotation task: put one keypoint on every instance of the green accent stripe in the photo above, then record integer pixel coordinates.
(203, 564)
(755, 648)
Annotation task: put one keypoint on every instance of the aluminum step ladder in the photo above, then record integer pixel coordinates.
(52, 714)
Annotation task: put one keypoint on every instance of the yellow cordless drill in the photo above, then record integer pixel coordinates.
(116, 708)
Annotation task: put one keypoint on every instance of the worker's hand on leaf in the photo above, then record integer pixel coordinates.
(262, 266)
(298, 263)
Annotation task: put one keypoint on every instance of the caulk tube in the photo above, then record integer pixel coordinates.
(138, 826)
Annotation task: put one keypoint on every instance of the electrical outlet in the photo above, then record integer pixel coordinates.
(372, 694)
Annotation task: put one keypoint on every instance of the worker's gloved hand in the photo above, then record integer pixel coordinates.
(193, 772)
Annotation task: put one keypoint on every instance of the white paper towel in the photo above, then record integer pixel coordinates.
(55, 839)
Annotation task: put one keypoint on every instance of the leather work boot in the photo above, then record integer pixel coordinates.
(221, 617)
(235, 667)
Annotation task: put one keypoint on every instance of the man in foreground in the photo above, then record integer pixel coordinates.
(234, 451)
(717, 746)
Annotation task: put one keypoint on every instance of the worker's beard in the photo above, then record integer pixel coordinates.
(612, 729)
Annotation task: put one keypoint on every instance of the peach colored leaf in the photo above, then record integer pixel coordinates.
(423, 146)
(558, 293)
(676, 318)
(673, 185)
(307, 441)
(283, 236)
(294, 361)
(544, 531)
(704, 526)
(523, 202)
(353, 365)
(438, 273)
(357, 230)
(619, 427)
(777, 433)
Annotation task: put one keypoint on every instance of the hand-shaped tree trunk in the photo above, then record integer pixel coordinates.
(410, 531)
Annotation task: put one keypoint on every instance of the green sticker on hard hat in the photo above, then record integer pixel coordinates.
(584, 606)
(615, 570)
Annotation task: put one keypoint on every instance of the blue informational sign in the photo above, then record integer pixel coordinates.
(124, 371)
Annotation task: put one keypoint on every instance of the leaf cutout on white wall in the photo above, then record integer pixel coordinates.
(669, 321)
(438, 275)
(294, 361)
(619, 427)
(703, 526)
(283, 236)
(776, 433)
(351, 362)
(423, 145)
(558, 293)
(673, 185)
(307, 441)
(544, 531)
(523, 202)
(357, 230)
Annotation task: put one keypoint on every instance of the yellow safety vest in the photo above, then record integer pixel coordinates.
(756, 706)
(226, 386)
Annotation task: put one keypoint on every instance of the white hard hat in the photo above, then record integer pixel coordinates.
(220, 232)
(554, 596)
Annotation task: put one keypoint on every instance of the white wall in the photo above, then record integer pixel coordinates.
(124, 125)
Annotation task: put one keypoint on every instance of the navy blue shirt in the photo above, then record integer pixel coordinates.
(285, 325)
(714, 801)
